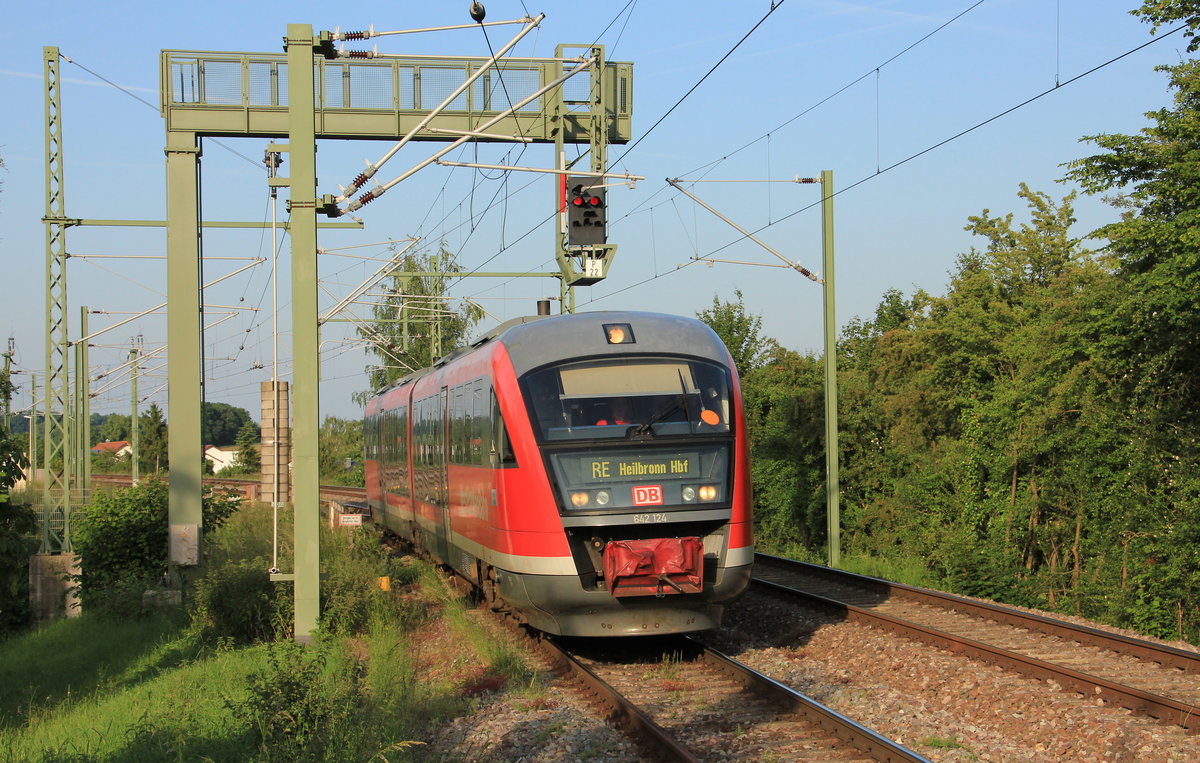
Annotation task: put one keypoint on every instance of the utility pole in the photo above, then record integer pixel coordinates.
(8, 375)
(33, 425)
(302, 202)
(832, 480)
(833, 487)
(56, 443)
(83, 409)
(136, 453)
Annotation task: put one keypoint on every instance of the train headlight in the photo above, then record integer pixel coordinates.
(689, 494)
(603, 497)
(580, 499)
(708, 493)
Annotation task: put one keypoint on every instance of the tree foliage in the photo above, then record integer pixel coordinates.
(248, 458)
(1159, 12)
(740, 331)
(222, 423)
(1033, 434)
(152, 441)
(17, 525)
(340, 451)
(111, 428)
(415, 323)
(121, 540)
(1003, 436)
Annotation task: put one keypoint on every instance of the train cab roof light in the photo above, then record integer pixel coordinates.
(619, 333)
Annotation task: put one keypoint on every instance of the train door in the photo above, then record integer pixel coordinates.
(441, 491)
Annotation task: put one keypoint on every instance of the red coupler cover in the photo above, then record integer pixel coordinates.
(654, 567)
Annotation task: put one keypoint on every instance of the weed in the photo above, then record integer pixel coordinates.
(239, 603)
(668, 666)
(550, 731)
(397, 747)
(295, 704)
(942, 743)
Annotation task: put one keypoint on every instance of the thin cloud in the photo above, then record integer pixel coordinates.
(74, 81)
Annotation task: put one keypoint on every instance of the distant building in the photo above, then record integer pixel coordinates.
(119, 449)
(220, 457)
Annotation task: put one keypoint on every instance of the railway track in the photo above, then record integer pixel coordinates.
(1150, 679)
(328, 492)
(687, 702)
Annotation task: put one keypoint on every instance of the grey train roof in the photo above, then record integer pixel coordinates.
(536, 341)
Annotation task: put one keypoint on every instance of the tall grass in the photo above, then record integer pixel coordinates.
(904, 569)
(70, 660)
(221, 680)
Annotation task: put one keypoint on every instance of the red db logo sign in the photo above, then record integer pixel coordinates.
(647, 495)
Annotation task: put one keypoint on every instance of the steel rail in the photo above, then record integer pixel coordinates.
(1168, 656)
(621, 711)
(862, 738)
(662, 743)
(1164, 709)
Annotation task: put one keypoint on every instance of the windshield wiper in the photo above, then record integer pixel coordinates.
(679, 403)
(675, 405)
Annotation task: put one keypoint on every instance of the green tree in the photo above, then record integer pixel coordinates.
(112, 428)
(414, 323)
(1150, 341)
(248, 457)
(339, 442)
(740, 331)
(152, 441)
(222, 423)
(17, 526)
(1159, 12)
(785, 418)
(121, 540)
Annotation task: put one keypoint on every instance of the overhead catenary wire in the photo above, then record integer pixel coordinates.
(903, 161)
(360, 180)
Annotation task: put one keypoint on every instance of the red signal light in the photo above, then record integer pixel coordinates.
(594, 201)
(577, 201)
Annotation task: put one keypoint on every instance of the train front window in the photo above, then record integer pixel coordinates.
(618, 398)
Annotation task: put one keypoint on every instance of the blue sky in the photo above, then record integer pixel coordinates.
(901, 228)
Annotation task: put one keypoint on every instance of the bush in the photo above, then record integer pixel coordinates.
(237, 600)
(121, 540)
(303, 703)
(350, 596)
(18, 524)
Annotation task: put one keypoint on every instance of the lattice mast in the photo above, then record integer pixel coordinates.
(56, 490)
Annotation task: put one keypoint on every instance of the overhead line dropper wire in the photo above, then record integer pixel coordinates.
(909, 158)
(712, 164)
(774, 6)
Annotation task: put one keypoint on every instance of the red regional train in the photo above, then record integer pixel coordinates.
(588, 472)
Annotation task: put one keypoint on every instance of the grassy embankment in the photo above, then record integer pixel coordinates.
(202, 683)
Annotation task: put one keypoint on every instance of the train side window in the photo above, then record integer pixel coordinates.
(458, 426)
(501, 445)
(398, 442)
(477, 427)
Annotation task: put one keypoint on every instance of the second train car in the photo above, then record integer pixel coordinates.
(588, 472)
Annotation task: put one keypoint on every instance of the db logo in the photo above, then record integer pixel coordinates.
(647, 495)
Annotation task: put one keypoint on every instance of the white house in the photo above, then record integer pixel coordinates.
(119, 449)
(220, 457)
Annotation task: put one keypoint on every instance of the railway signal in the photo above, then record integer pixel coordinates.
(586, 212)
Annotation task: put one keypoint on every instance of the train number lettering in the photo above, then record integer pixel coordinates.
(646, 519)
(647, 495)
